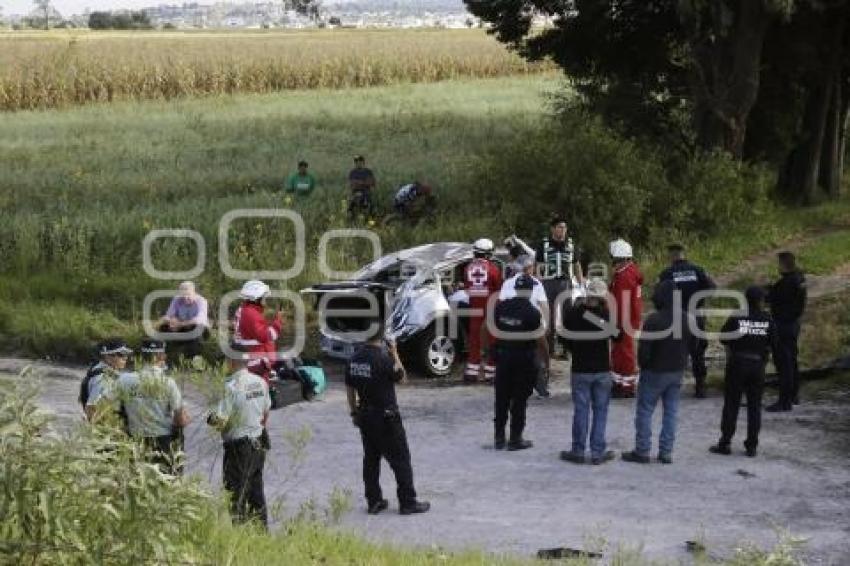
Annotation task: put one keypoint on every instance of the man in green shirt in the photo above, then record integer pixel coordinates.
(301, 182)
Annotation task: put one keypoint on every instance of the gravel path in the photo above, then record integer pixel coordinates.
(521, 502)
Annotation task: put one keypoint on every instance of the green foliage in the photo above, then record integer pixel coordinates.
(608, 185)
(88, 496)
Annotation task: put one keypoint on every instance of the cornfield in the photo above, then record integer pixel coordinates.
(61, 69)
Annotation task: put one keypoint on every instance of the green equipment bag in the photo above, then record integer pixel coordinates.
(316, 376)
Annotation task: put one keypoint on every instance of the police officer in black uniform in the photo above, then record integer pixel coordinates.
(752, 335)
(370, 379)
(787, 298)
(557, 264)
(691, 279)
(521, 334)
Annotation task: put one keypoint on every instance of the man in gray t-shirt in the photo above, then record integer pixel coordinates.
(154, 407)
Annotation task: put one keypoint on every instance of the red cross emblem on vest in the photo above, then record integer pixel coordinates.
(478, 275)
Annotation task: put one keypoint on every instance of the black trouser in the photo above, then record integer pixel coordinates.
(383, 435)
(243, 478)
(516, 372)
(553, 288)
(696, 349)
(163, 450)
(188, 347)
(785, 358)
(744, 376)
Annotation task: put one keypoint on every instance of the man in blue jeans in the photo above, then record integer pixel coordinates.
(662, 354)
(589, 334)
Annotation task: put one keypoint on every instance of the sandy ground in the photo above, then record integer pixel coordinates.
(522, 501)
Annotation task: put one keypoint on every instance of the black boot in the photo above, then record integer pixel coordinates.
(499, 440)
(414, 508)
(378, 506)
(699, 390)
(720, 448)
(519, 444)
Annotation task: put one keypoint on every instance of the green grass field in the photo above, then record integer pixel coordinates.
(82, 187)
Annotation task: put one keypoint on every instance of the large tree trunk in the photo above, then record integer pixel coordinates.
(819, 140)
(725, 72)
(830, 164)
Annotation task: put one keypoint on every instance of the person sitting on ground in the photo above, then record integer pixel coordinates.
(187, 314)
(301, 183)
(589, 336)
(154, 407)
(361, 181)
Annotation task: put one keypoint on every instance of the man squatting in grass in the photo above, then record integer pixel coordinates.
(370, 379)
(301, 183)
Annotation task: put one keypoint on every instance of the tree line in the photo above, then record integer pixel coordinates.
(762, 80)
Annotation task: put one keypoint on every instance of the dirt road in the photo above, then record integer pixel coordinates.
(521, 502)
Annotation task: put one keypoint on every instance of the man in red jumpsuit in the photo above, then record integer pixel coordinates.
(253, 332)
(626, 291)
(482, 279)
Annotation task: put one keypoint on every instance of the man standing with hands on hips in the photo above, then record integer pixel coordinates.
(370, 380)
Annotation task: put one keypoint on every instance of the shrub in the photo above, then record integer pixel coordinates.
(609, 186)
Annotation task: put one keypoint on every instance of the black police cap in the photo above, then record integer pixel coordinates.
(151, 346)
(112, 346)
(524, 283)
(754, 294)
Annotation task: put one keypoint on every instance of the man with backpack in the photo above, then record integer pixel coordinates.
(96, 387)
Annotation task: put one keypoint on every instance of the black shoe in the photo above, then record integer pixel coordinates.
(378, 506)
(699, 392)
(568, 456)
(499, 443)
(606, 457)
(519, 444)
(544, 394)
(777, 408)
(635, 457)
(751, 451)
(665, 458)
(415, 507)
(720, 449)
(795, 401)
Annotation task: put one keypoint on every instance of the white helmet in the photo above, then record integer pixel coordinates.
(483, 246)
(254, 290)
(620, 249)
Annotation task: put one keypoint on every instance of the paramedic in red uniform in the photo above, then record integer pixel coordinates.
(253, 331)
(625, 290)
(482, 279)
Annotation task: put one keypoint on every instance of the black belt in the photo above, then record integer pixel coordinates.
(750, 357)
(241, 441)
(386, 412)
